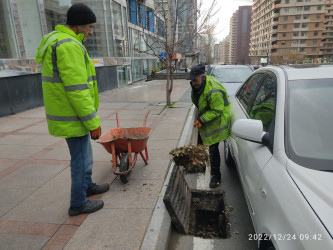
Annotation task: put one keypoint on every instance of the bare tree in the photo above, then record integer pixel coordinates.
(178, 23)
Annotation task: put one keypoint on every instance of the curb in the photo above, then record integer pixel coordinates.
(159, 229)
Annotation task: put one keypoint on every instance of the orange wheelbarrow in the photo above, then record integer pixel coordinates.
(122, 143)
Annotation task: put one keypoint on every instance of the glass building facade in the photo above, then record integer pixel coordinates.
(117, 39)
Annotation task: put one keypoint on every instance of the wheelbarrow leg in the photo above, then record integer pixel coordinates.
(145, 159)
(114, 156)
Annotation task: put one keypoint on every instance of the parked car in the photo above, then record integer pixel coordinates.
(282, 143)
(230, 76)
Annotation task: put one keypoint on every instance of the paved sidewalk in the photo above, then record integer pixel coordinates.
(35, 174)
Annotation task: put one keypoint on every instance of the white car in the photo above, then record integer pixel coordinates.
(282, 143)
(230, 76)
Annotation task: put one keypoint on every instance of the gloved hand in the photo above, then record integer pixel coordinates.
(96, 133)
(197, 123)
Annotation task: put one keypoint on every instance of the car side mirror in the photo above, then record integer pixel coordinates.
(249, 129)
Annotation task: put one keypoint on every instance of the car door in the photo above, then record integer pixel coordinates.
(256, 99)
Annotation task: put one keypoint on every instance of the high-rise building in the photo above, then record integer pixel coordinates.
(225, 50)
(291, 31)
(240, 30)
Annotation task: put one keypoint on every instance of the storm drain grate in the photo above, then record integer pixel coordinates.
(196, 212)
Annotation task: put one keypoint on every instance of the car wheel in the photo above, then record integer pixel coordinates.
(227, 155)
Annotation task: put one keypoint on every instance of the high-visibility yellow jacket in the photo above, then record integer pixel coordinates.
(69, 84)
(213, 112)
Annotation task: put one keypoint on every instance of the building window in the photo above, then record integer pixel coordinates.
(302, 41)
(313, 49)
(284, 34)
(305, 16)
(295, 33)
(8, 45)
(117, 19)
(299, 1)
(284, 26)
(301, 49)
(316, 24)
(304, 25)
(283, 42)
(314, 41)
(315, 33)
(150, 20)
(298, 17)
(299, 8)
(317, 16)
(296, 25)
(286, 10)
(306, 8)
(287, 1)
(319, 7)
(285, 18)
(303, 33)
(133, 12)
(142, 16)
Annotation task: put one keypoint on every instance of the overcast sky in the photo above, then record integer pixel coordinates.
(228, 7)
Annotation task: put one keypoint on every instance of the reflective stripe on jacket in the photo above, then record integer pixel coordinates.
(69, 84)
(213, 112)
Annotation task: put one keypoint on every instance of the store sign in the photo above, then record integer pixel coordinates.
(263, 60)
(98, 62)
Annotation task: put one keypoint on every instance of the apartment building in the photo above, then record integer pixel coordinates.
(217, 52)
(225, 50)
(293, 31)
(233, 38)
(239, 33)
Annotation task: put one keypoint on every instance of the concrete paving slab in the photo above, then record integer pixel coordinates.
(31, 139)
(48, 204)
(39, 128)
(11, 196)
(135, 194)
(33, 113)
(21, 152)
(111, 229)
(6, 163)
(155, 170)
(9, 124)
(59, 152)
(31, 175)
(22, 242)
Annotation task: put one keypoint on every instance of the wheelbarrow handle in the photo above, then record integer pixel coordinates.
(145, 120)
(118, 123)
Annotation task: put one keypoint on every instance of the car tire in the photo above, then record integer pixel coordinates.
(227, 155)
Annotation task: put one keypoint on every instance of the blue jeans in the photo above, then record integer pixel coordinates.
(81, 168)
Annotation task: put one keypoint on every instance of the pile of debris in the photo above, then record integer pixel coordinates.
(193, 158)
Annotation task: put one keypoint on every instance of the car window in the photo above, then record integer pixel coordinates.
(231, 75)
(247, 92)
(263, 107)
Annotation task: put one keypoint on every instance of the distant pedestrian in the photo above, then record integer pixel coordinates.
(212, 101)
(71, 101)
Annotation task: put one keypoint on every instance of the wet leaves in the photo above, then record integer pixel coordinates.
(193, 158)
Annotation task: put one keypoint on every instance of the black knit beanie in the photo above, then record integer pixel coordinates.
(80, 14)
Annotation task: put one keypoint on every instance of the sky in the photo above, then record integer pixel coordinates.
(227, 8)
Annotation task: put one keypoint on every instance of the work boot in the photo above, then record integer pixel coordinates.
(97, 189)
(215, 181)
(90, 207)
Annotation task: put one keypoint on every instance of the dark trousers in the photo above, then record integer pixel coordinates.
(215, 159)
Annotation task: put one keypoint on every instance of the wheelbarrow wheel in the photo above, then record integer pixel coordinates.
(123, 167)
